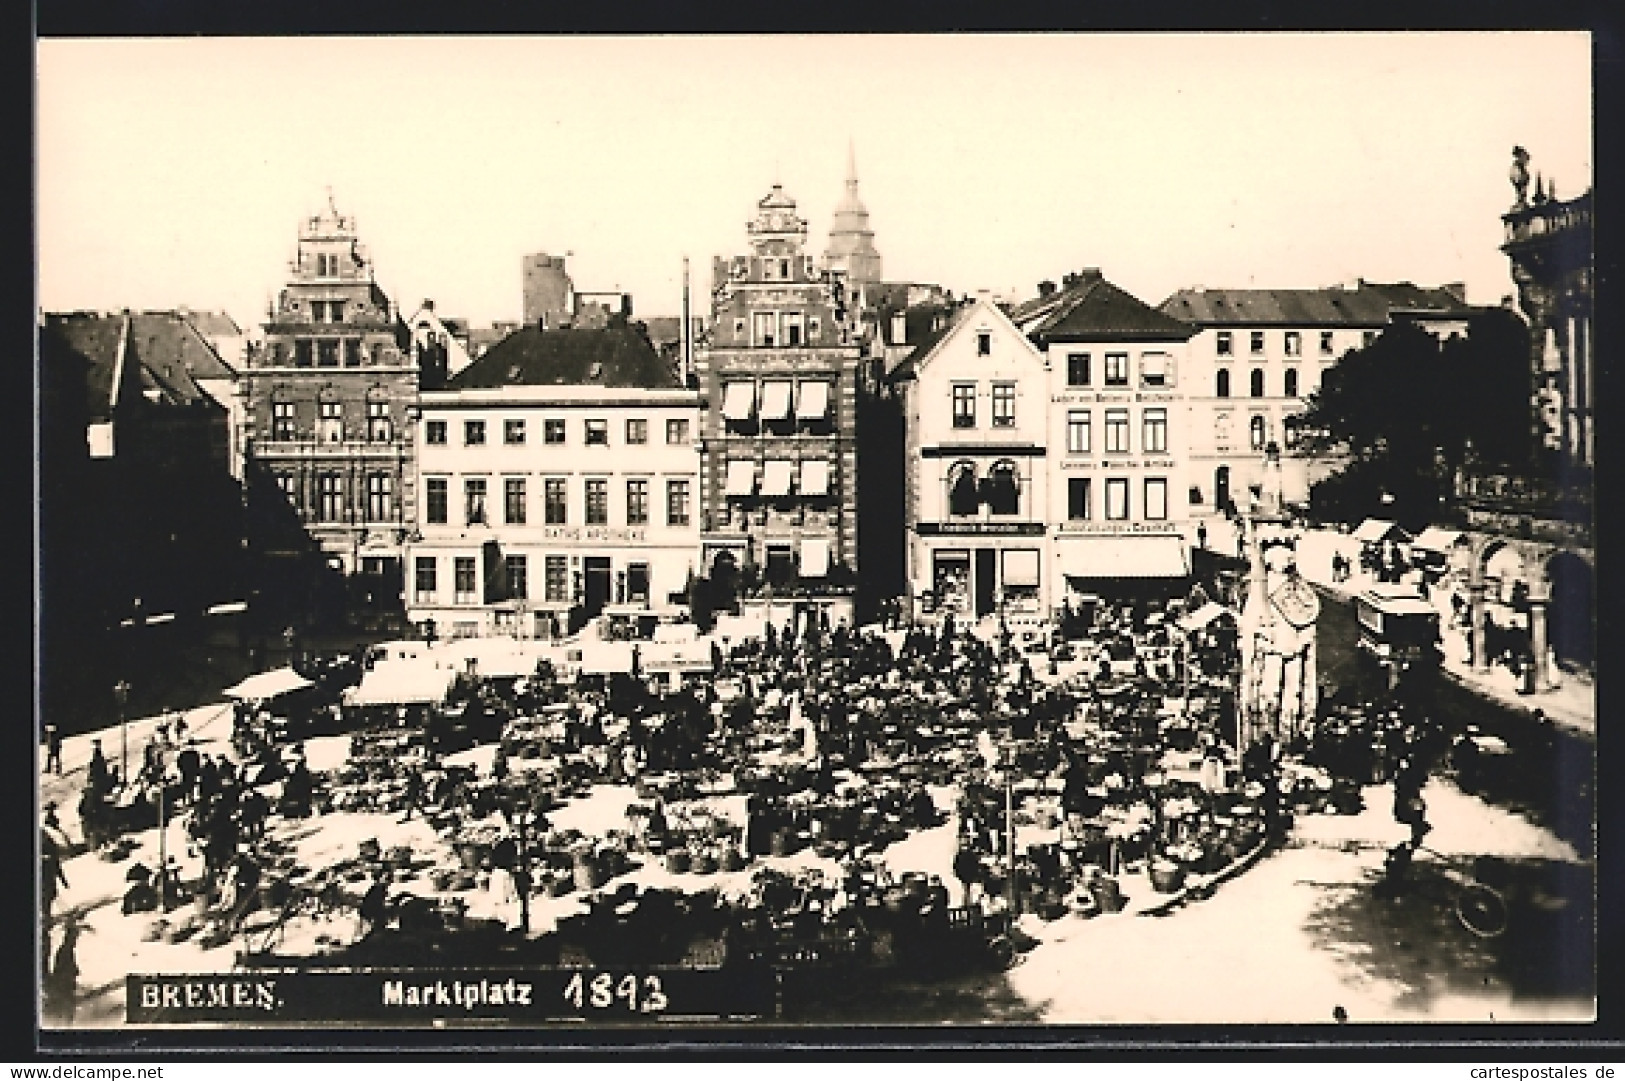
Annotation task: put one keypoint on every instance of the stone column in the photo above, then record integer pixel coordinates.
(1537, 641)
(1475, 628)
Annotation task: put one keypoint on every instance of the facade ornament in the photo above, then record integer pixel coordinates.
(1520, 176)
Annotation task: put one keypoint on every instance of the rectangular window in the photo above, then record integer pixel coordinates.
(676, 432)
(637, 502)
(1256, 341)
(332, 410)
(282, 420)
(1156, 499)
(1004, 405)
(1325, 343)
(513, 432)
(465, 580)
(553, 431)
(518, 569)
(964, 405)
(474, 500)
(301, 353)
(352, 352)
(434, 433)
(1222, 342)
(1294, 343)
(1117, 431)
(473, 433)
(435, 500)
(1077, 498)
(1117, 498)
(984, 343)
(380, 505)
(556, 581)
(1117, 369)
(379, 428)
(331, 489)
(425, 577)
(598, 433)
(763, 327)
(677, 502)
(289, 484)
(1077, 431)
(327, 353)
(1077, 369)
(513, 500)
(598, 502)
(1367, 337)
(637, 583)
(1155, 434)
(792, 328)
(637, 432)
(554, 506)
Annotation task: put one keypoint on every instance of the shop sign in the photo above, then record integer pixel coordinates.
(594, 533)
(1116, 529)
(984, 529)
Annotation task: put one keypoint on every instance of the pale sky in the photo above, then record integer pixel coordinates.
(176, 171)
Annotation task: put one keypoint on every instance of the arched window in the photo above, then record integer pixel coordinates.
(1291, 388)
(1221, 383)
(963, 497)
(1257, 383)
(1256, 429)
(1003, 489)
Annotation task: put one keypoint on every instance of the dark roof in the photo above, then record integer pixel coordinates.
(1408, 297)
(95, 338)
(213, 324)
(610, 358)
(1093, 309)
(907, 367)
(1280, 307)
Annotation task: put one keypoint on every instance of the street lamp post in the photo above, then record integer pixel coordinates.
(121, 693)
(1011, 895)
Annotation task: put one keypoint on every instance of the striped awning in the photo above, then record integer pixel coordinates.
(813, 401)
(739, 401)
(741, 477)
(815, 477)
(776, 478)
(775, 400)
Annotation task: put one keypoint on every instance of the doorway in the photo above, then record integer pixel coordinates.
(596, 584)
(984, 580)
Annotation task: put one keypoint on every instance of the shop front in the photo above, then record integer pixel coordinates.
(992, 571)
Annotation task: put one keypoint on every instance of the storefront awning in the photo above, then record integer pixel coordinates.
(739, 401)
(264, 686)
(775, 401)
(1021, 567)
(1195, 621)
(815, 477)
(1096, 558)
(813, 402)
(776, 478)
(741, 477)
(814, 557)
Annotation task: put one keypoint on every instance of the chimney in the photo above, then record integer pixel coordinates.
(1090, 274)
(428, 305)
(1045, 288)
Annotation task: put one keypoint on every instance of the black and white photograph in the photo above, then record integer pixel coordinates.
(652, 533)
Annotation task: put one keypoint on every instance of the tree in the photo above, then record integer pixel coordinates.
(1408, 410)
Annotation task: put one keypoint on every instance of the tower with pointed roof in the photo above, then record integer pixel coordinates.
(329, 398)
(851, 250)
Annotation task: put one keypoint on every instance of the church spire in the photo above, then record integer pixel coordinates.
(851, 165)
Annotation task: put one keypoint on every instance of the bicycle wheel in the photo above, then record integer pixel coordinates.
(1482, 910)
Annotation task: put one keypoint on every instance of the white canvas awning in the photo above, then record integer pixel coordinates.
(815, 477)
(1436, 539)
(813, 401)
(266, 685)
(775, 400)
(1123, 557)
(739, 401)
(776, 478)
(1021, 567)
(1195, 621)
(1377, 530)
(741, 477)
(400, 684)
(814, 557)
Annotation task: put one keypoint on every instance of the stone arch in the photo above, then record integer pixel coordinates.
(1571, 618)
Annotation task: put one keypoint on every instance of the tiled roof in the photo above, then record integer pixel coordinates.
(1280, 307)
(171, 348)
(907, 367)
(1409, 297)
(95, 338)
(213, 324)
(1093, 309)
(610, 358)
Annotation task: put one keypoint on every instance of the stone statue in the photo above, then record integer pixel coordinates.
(1520, 176)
